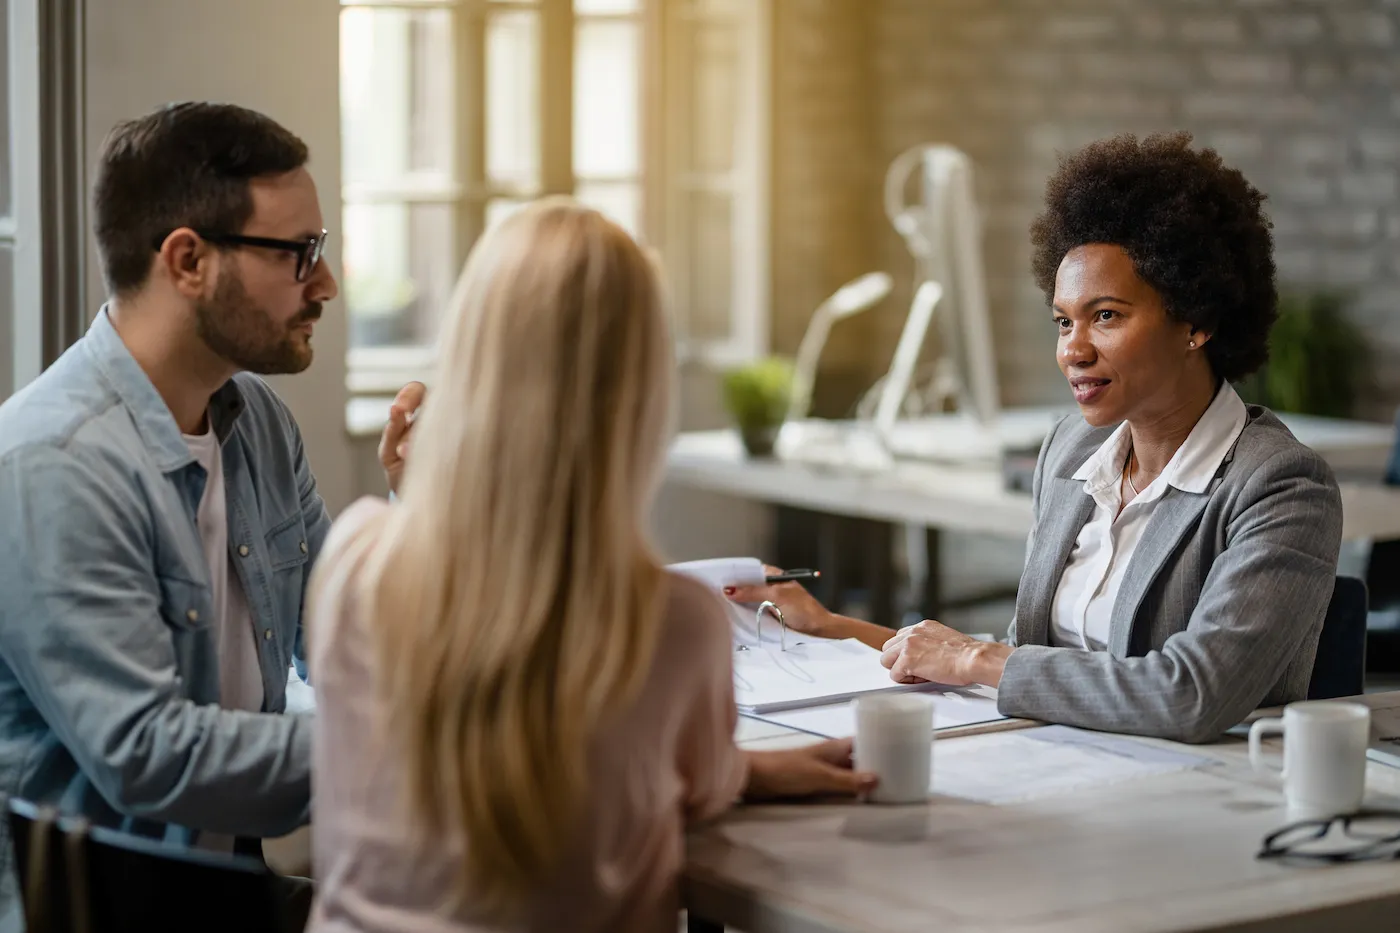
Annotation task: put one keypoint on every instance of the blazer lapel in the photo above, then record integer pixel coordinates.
(1175, 514)
(1064, 511)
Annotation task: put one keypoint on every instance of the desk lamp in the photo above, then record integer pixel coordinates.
(849, 300)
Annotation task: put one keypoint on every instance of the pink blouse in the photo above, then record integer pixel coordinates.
(667, 760)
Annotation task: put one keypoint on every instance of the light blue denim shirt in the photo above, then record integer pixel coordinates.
(109, 679)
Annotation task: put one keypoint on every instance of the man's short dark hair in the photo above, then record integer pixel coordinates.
(1194, 228)
(185, 165)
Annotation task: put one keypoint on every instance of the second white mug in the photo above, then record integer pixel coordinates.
(1324, 756)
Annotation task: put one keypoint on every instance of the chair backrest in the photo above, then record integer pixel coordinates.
(101, 881)
(1340, 667)
(1392, 467)
(1383, 564)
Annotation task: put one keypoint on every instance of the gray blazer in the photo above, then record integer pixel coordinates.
(1219, 611)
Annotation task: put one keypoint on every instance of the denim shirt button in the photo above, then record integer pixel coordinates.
(192, 615)
(243, 550)
(267, 634)
(303, 547)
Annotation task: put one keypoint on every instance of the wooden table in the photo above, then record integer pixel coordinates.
(1174, 852)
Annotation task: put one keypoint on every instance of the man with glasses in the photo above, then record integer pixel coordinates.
(158, 518)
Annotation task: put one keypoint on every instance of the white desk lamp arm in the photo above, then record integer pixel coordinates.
(906, 356)
(847, 301)
(809, 353)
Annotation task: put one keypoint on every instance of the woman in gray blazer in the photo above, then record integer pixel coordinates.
(1185, 544)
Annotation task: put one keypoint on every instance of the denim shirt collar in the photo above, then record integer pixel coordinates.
(151, 415)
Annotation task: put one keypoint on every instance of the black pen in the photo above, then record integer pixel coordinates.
(791, 576)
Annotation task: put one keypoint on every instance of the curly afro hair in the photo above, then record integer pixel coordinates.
(1194, 229)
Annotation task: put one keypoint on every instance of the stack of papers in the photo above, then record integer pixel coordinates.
(1386, 750)
(1008, 767)
(810, 672)
(806, 683)
(953, 708)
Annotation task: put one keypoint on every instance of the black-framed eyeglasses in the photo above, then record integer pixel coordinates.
(1370, 835)
(308, 251)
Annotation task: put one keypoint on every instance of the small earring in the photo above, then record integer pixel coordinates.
(1193, 345)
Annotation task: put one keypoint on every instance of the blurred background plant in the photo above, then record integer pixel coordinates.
(757, 397)
(1319, 361)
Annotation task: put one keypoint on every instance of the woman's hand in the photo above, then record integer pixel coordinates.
(931, 651)
(393, 443)
(801, 611)
(810, 771)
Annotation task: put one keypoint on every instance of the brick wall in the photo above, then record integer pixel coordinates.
(827, 168)
(1303, 97)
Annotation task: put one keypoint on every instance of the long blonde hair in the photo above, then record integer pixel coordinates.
(515, 592)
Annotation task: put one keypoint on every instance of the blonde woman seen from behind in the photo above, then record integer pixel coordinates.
(519, 710)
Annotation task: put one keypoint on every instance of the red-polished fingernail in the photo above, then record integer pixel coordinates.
(729, 591)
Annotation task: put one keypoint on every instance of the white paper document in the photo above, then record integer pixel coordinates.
(779, 669)
(952, 707)
(1008, 767)
(810, 672)
(720, 572)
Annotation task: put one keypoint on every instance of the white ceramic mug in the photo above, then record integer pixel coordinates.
(1324, 756)
(894, 741)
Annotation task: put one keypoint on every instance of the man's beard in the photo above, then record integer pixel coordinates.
(234, 327)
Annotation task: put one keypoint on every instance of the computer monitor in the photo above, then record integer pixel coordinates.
(929, 200)
(928, 197)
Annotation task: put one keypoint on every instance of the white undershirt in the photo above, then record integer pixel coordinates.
(1083, 607)
(240, 673)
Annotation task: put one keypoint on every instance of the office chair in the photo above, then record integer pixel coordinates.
(1339, 669)
(1383, 582)
(97, 880)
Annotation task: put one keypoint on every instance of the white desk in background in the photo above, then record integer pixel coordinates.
(972, 498)
(1162, 854)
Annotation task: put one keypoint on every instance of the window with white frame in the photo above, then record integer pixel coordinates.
(716, 56)
(456, 112)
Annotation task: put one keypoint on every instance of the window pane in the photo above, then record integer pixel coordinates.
(513, 99)
(714, 9)
(585, 7)
(6, 207)
(7, 319)
(710, 275)
(399, 271)
(620, 201)
(498, 209)
(606, 98)
(715, 89)
(397, 106)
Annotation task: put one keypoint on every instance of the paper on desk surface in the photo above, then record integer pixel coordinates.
(952, 707)
(1008, 767)
(808, 672)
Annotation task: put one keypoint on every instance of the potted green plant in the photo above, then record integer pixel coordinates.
(757, 397)
(1319, 362)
